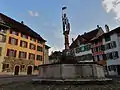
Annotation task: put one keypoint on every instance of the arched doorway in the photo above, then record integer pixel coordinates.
(16, 70)
(29, 70)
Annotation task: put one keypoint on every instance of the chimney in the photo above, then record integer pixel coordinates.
(84, 33)
(107, 28)
(22, 22)
(98, 26)
(72, 39)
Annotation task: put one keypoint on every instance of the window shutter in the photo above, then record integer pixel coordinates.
(15, 53)
(9, 40)
(114, 44)
(30, 46)
(21, 43)
(19, 54)
(8, 50)
(25, 54)
(16, 41)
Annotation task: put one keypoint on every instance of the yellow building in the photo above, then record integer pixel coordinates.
(21, 49)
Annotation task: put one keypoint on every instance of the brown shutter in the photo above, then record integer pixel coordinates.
(19, 54)
(25, 54)
(29, 56)
(9, 40)
(15, 53)
(16, 41)
(8, 50)
(21, 43)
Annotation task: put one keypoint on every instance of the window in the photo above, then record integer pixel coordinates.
(31, 56)
(109, 68)
(101, 57)
(23, 44)
(22, 54)
(5, 66)
(98, 59)
(24, 36)
(39, 48)
(94, 49)
(13, 41)
(95, 58)
(107, 38)
(115, 55)
(2, 38)
(13, 32)
(108, 46)
(89, 57)
(35, 67)
(39, 57)
(32, 39)
(110, 56)
(32, 46)
(97, 49)
(11, 52)
(0, 51)
(82, 49)
(102, 47)
(87, 47)
(113, 44)
(112, 68)
(77, 49)
(104, 57)
(40, 42)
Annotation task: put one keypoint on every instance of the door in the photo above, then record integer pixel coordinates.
(29, 70)
(16, 70)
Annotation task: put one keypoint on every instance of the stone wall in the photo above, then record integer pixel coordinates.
(13, 62)
(67, 71)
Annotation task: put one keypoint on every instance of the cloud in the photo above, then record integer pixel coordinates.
(33, 13)
(55, 48)
(112, 6)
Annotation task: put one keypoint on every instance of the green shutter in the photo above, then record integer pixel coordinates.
(114, 44)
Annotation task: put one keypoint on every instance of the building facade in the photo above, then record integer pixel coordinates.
(21, 49)
(111, 42)
(82, 45)
(106, 51)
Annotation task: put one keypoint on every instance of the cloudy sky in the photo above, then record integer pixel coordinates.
(44, 16)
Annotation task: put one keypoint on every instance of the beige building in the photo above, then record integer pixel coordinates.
(21, 49)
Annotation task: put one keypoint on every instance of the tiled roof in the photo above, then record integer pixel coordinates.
(84, 38)
(116, 30)
(47, 47)
(17, 26)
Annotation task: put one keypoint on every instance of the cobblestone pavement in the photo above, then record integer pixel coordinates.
(31, 86)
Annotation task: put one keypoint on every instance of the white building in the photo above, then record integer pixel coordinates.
(111, 42)
(82, 47)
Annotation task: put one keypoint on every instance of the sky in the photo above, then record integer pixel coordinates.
(44, 16)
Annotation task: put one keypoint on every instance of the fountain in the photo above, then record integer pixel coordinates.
(68, 69)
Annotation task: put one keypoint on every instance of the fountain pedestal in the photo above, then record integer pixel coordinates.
(88, 70)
